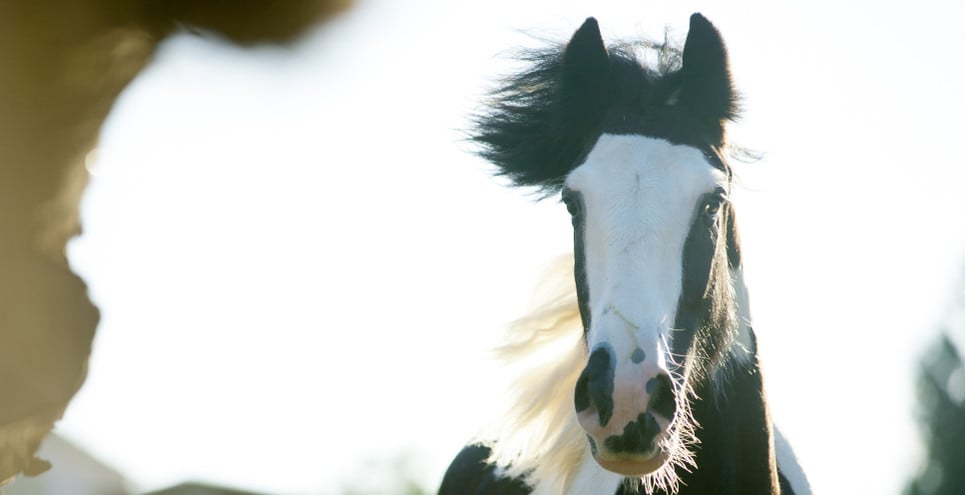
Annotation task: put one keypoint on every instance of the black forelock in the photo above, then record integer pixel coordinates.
(537, 123)
(523, 129)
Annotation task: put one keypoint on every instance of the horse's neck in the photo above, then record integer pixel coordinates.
(736, 454)
(736, 451)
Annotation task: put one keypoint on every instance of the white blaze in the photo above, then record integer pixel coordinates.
(640, 195)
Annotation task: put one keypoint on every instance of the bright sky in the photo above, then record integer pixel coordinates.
(300, 266)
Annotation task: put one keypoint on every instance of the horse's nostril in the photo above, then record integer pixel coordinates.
(596, 385)
(637, 437)
(661, 396)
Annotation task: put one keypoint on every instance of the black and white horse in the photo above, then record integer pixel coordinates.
(647, 379)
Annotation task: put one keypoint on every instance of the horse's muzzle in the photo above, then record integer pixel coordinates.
(626, 409)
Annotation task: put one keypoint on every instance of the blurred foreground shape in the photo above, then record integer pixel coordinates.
(62, 65)
(199, 489)
(77, 473)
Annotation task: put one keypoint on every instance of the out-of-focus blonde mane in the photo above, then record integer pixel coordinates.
(538, 436)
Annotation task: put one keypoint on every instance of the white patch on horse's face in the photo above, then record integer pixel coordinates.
(640, 196)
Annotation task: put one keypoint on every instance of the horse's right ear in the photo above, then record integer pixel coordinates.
(585, 59)
(585, 77)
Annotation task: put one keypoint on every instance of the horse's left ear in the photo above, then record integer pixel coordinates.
(706, 89)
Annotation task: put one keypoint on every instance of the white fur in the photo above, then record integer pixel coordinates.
(538, 435)
(590, 478)
(639, 195)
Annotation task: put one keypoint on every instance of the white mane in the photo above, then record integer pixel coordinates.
(538, 436)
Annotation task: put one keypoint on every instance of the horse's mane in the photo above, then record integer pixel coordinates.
(538, 436)
(535, 123)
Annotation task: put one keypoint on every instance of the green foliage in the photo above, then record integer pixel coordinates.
(941, 391)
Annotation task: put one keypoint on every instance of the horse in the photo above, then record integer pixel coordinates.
(643, 372)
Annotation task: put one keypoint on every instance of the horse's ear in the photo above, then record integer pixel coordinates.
(585, 58)
(706, 87)
(584, 83)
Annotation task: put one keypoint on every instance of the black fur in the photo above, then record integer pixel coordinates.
(575, 206)
(734, 456)
(704, 310)
(595, 386)
(470, 474)
(638, 435)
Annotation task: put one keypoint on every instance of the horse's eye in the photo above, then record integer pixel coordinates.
(712, 207)
(713, 203)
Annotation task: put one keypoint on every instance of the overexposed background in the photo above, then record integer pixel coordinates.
(301, 266)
